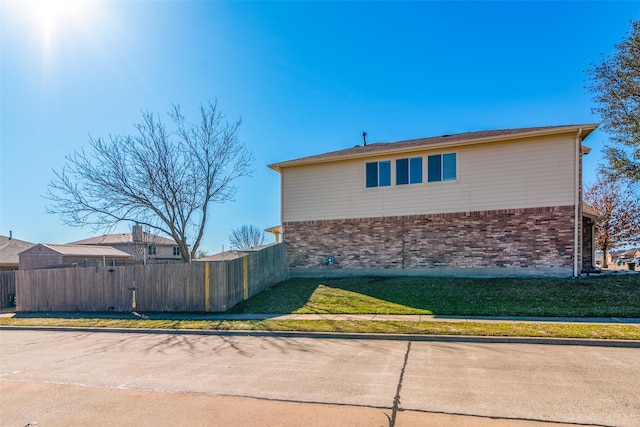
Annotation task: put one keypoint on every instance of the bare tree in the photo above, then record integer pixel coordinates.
(245, 237)
(165, 180)
(615, 85)
(201, 253)
(619, 209)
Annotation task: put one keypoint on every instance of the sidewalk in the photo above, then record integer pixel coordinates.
(334, 317)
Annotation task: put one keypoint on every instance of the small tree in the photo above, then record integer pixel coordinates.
(164, 180)
(619, 210)
(615, 85)
(246, 237)
(201, 253)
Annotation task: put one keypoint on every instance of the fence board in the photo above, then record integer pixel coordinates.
(267, 267)
(7, 288)
(157, 287)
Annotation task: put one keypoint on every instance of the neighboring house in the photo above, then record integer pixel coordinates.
(141, 245)
(50, 255)
(9, 250)
(624, 254)
(633, 253)
(504, 202)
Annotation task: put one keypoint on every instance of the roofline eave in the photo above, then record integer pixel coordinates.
(585, 129)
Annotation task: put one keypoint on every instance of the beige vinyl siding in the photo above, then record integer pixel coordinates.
(163, 251)
(529, 173)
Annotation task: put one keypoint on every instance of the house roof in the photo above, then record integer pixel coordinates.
(83, 250)
(467, 138)
(229, 255)
(629, 253)
(274, 229)
(224, 256)
(621, 253)
(10, 248)
(124, 238)
(590, 211)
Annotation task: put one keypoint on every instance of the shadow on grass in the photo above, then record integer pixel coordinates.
(610, 296)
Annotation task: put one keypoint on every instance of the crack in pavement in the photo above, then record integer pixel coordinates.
(396, 399)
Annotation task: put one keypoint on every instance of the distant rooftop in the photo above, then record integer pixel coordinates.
(87, 250)
(233, 254)
(10, 248)
(124, 238)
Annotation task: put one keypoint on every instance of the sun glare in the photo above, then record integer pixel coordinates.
(52, 16)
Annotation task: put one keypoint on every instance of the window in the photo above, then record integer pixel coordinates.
(441, 167)
(176, 251)
(409, 171)
(151, 250)
(378, 174)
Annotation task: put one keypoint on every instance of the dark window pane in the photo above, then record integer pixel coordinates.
(449, 167)
(416, 170)
(372, 174)
(402, 171)
(434, 168)
(385, 173)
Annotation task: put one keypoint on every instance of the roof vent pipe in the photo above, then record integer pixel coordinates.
(364, 139)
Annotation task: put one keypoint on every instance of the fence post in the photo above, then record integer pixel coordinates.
(207, 300)
(245, 276)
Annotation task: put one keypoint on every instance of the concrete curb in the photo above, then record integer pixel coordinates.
(335, 317)
(349, 336)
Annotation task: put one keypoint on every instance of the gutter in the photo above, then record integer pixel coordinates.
(576, 217)
(389, 150)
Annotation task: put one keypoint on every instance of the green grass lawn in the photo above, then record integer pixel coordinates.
(468, 328)
(610, 296)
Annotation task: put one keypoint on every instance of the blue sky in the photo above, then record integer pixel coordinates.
(305, 77)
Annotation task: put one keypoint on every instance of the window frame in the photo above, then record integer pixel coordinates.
(444, 174)
(413, 174)
(382, 170)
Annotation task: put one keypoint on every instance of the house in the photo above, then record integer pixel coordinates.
(9, 250)
(619, 259)
(142, 246)
(498, 202)
(622, 255)
(633, 253)
(51, 255)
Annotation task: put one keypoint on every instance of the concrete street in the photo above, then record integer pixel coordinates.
(61, 378)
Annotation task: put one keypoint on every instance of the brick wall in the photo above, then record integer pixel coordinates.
(517, 238)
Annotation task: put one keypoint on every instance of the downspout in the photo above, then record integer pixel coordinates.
(576, 217)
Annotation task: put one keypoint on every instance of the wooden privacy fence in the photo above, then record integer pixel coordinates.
(196, 287)
(7, 288)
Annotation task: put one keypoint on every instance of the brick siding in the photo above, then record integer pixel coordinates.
(516, 238)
